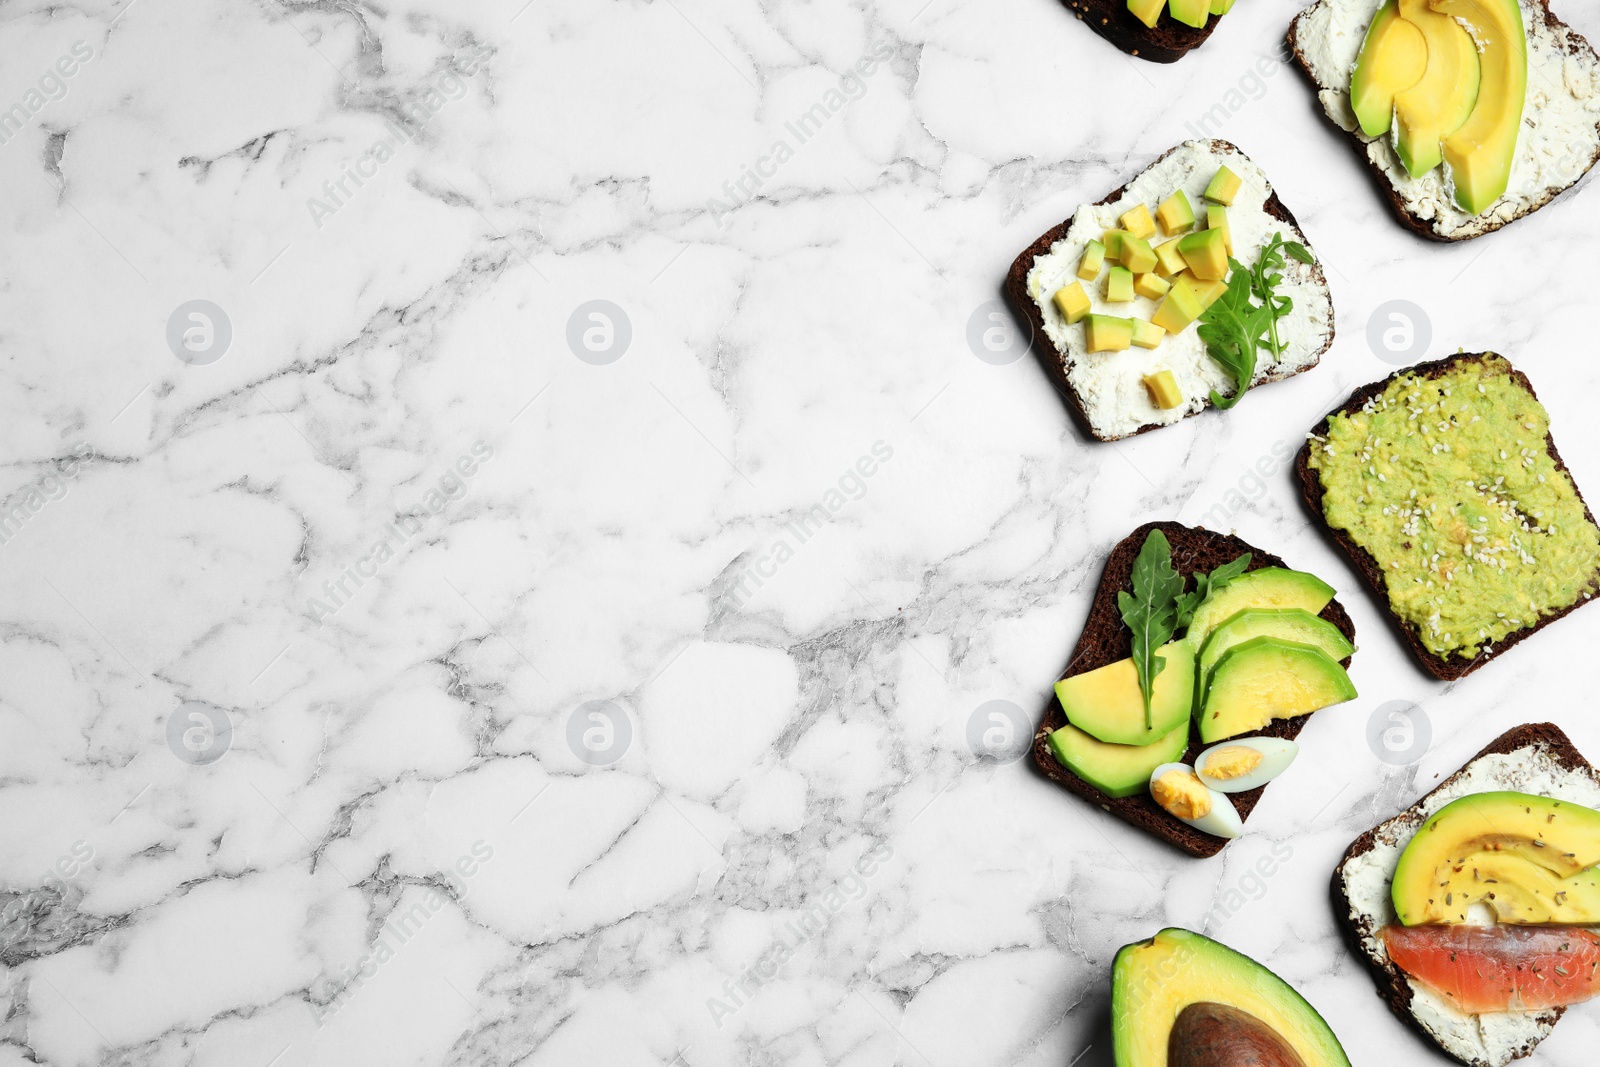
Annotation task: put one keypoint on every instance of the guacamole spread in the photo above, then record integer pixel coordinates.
(1448, 484)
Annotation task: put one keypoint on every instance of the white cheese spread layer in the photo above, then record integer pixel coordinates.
(1110, 385)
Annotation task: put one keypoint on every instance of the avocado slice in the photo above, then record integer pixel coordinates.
(1108, 705)
(1116, 770)
(1480, 153)
(1442, 99)
(1267, 678)
(1265, 587)
(1158, 984)
(1393, 57)
(1529, 858)
(1291, 624)
(1109, 333)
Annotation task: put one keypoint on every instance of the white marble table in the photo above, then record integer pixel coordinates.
(299, 760)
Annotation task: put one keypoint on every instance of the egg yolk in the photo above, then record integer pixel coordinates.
(1235, 761)
(1182, 794)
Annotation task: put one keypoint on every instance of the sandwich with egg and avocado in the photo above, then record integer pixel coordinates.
(1200, 661)
(1443, 485)
(1471, 113)
(1162, 31)
(1178, 292)
(1473, 908)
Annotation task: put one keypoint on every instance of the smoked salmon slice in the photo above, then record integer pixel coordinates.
(1483, 969)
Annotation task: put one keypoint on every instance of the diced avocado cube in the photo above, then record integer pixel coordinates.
(1190, 12)
(1204, 291)
(1072, 302)
(1137, 255)
(1108, 333)
(1178, 309)
(1221, 7)
(1224, 186)
(1094, 257)
(1217, 219)
(1147, 334)
(1147, 11)
(1119, 285)
(1112, 239)
(1206, 253)
(1163, 386)
(1175, 214)
(1138, 222)
(1151, 285)
(1169, 260)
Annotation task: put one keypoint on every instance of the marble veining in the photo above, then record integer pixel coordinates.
(529, 538)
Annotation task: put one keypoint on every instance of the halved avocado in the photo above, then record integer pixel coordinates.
(1525, 856)
(1107, 704)
(1480, 153)
(1157, 985)
(1393, 57)
(1291, 624)
(1116, 770)
(1268, 587)
(1267, 678)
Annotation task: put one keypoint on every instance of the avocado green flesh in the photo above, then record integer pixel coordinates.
(1265, 587)
(1529, 858)
(1290, 624)
(1116, 770)
(1267, 678)
(1153, 980)
(1477, 531)
(1107, 704)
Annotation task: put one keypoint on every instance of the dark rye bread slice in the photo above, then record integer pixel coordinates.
(1166, 42)
(1105, 640)
(1445, 669)
(1050, 356)
(1577, 46)
(1393, 988)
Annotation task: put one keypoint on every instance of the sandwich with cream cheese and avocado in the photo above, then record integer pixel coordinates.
(1443, 485)
(1178, 292)
(1162, 31)
(1473, 113)
(1474, 908)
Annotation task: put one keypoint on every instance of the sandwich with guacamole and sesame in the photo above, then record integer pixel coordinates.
(1443, 485)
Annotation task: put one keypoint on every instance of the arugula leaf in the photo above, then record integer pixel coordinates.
(1151, 611)
(1205, 585)
(1235, 328)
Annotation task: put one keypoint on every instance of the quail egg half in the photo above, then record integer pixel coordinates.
(1245, 762)
(1182, 794)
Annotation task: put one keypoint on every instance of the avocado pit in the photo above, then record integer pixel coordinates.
(1206, 1034)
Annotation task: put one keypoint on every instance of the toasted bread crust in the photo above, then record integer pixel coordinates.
(1393, 989)
(1577, 44)
(1166, 42)
(1444, 668)
(1105, 640)
(1024, 305)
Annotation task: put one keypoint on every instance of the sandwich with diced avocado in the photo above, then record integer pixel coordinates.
(1180, 291)
(1162, 31)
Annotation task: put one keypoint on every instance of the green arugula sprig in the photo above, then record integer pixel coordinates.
(1158, 607)
(1236, 328)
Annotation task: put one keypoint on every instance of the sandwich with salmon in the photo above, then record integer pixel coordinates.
(1474, 908)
